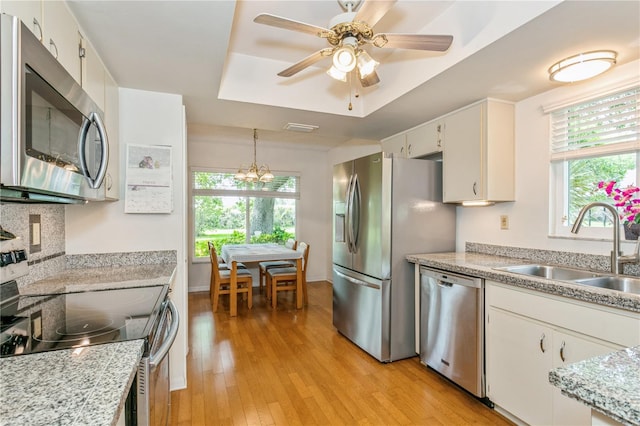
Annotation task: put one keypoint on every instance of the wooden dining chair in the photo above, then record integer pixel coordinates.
(221, 264)
(221, 281)
(264, 266)
(282, 279)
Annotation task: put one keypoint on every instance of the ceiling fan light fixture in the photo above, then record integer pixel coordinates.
(334, 72)
(582, 66)
(344, 59)
(366, 64)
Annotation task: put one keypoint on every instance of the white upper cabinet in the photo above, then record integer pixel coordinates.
(396, 144)
(29, 12)
(112, 123)
(93, 74)
(478, 154)
(420, 141)
(61, 36)
(54, 25)
(426, 139)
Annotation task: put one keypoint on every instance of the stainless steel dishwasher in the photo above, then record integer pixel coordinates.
(452, 327)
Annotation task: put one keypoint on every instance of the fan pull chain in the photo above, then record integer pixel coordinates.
(350, 90)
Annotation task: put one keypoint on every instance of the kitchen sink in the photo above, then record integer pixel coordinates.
(551, 272)
(626, 284)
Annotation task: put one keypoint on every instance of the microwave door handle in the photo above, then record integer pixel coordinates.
(104, 149)
(157, 357)
(94, 118)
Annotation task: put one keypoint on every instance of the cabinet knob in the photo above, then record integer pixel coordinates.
(542, 343)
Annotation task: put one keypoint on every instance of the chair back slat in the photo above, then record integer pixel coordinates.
(215, 270)
(304, 248)
(291, 244)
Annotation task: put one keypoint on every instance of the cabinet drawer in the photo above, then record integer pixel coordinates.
(608, 324)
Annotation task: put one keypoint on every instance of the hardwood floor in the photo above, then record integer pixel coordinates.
(291, 366)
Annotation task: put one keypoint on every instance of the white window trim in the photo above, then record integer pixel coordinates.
(557, 226)
(215, 192)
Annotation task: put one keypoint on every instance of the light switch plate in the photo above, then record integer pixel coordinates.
(504, 221)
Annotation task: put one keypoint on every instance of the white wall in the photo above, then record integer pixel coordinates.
(208, 148)
(529, 214)
(146, 118)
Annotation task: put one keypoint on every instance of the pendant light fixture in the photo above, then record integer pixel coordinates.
(255, 174)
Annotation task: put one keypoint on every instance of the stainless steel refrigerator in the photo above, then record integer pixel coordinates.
(383, 209)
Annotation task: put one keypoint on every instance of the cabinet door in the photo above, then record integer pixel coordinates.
(29, 12)
(93, 80)
(518, 363)
(396, 145)
(567, 349)
(61, 36)
(463, 155)
(425, 139)
(111, 121)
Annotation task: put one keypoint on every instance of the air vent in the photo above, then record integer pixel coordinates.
(296, 127)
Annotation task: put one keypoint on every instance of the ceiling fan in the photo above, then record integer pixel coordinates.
(347, 33)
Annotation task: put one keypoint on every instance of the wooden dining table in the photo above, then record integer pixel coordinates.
(267, 252)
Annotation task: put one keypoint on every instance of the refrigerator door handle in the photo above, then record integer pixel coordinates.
(354, 220)
(356, 281)
(348, 215)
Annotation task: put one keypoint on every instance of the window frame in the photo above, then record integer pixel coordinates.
(240, 193)
(559, 165)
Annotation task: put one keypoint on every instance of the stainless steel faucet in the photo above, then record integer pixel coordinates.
(617, 258)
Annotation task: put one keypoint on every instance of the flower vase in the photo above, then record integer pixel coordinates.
(631, 231)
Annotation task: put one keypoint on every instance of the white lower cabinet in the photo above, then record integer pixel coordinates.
(528, 334)
(517, 366)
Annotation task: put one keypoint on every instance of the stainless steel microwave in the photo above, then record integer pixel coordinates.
(54, 146)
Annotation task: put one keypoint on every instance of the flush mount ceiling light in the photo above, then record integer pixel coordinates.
(582, 66)
(255, 174)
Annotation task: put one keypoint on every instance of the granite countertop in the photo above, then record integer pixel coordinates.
(61, 388)
(99, 278)
(608, 383)
(58, 387)
(483, 266)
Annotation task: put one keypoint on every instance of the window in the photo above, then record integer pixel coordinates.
(593, 141)
(228, 211)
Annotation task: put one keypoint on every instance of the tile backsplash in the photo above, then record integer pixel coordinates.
(51, 257)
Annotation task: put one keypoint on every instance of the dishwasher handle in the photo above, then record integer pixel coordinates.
(449, 279)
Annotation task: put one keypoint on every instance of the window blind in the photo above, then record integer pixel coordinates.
(608, 124)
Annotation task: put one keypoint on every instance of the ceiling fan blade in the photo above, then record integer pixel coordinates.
(370, 80)
(309, 60)
(290, 24)
(438, 43)
(373, 10)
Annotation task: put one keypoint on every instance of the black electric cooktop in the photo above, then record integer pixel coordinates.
(31, 324)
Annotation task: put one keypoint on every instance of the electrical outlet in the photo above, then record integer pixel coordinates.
(504, 221)
(35, 233)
